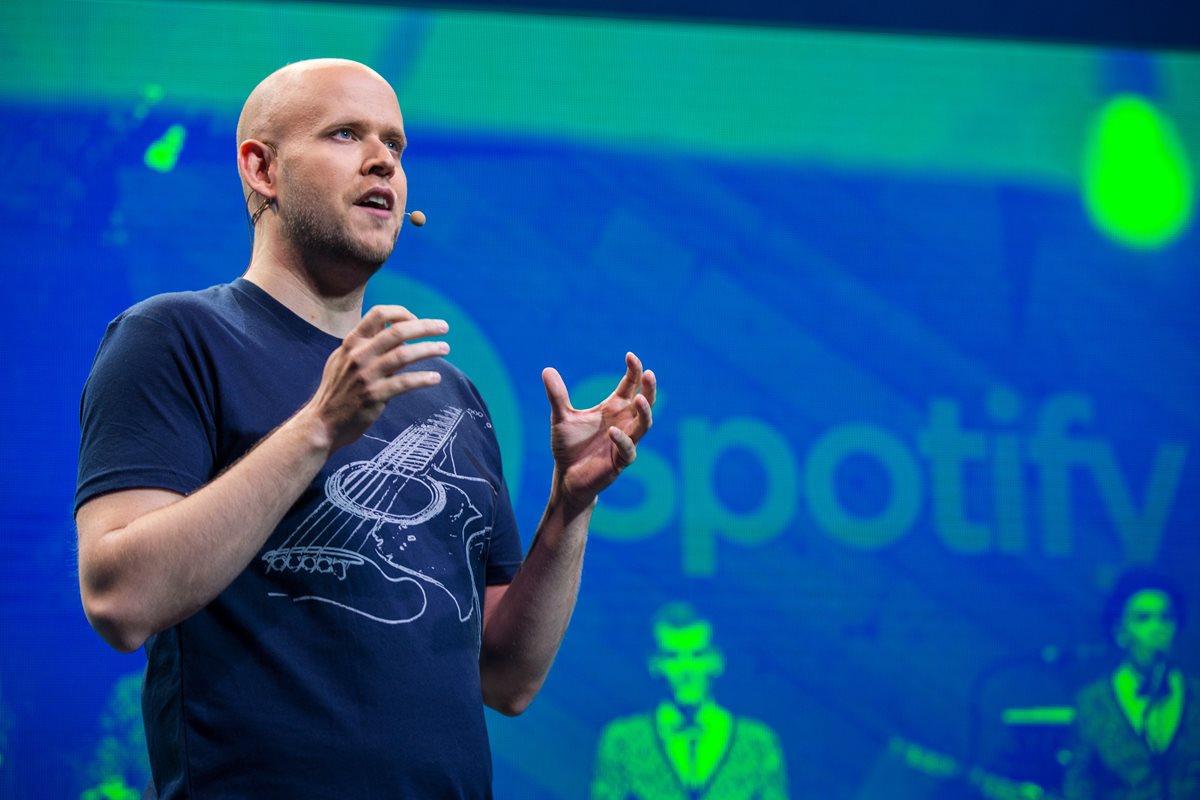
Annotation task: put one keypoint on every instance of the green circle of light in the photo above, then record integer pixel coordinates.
(1137, 180)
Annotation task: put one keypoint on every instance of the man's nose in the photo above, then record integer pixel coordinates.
(1161, 629)
(380, 160)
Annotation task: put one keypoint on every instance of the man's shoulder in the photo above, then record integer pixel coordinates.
(174, 307)
(756, 732)
(1095, 699)
(454, 380)
(449, 370)
(630, 729)
(1094, 690)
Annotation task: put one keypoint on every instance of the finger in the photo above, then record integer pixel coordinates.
(401, 332)
(649, 386)
(556, 393)
(401, 357)
(625, 451)
(645, 417)
(403, 382)
(378, 318)
(632, 378)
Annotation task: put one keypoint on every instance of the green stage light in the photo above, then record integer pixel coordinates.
(163, 152)
(1137, 183)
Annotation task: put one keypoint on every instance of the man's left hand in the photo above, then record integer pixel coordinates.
(592, 446)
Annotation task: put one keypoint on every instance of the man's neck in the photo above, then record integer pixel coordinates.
(690, 713)
(334, 307)
(1156, 715)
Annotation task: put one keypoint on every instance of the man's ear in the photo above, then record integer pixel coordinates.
(256, 161)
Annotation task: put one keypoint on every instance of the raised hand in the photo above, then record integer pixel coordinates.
(363, 374)
(591, 446)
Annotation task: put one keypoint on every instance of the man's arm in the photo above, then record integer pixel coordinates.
(1078, 777)
(150, 558)
(524, 622)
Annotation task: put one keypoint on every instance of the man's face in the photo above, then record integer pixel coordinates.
(342, 190)
(687, 660)
(1147, 628)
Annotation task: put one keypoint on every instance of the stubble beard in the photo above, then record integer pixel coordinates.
(318, 234)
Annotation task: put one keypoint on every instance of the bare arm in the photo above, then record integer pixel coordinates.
(524, 622)
(150, 558)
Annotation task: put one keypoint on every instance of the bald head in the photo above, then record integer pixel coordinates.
(291, 97)
(313, 139)
(283, 97)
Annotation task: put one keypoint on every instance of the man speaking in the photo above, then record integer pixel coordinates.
(299, 510)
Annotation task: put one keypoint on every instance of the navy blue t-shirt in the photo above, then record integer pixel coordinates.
(344, 660)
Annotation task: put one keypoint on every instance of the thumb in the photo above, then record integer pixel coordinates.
(556, 393)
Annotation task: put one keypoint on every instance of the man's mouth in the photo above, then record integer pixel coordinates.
(378, 201)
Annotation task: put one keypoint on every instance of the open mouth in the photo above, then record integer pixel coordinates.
(378, 201)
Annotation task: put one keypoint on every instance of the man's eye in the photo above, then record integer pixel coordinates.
(344, 133)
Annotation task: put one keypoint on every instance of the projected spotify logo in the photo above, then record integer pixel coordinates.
(1027, 462)
(931, 467)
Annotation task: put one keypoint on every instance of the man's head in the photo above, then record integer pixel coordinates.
(319, 146)
(685, 656)
(1143, 613)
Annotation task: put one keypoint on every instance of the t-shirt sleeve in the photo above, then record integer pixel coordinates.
(146, 414)
(504, 551)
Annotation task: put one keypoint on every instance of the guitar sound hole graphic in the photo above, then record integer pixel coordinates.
(406, 516)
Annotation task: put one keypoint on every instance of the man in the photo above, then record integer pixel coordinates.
(300, 510)
(1137, 729)
(689, 746)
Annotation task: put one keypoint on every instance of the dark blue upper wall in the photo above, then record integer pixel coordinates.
(1148, 24)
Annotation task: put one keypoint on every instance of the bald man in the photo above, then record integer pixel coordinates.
(299, 510)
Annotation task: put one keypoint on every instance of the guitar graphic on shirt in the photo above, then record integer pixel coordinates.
(375, 516)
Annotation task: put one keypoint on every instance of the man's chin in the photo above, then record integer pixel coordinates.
(691, 699)
(376, 253)
(377, 260)
(372, 257)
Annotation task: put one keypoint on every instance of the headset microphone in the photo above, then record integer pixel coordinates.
(417, 218)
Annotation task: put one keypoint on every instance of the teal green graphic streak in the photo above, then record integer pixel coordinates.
(851, 100)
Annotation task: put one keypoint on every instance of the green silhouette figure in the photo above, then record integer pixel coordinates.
(120, 766)
(689, 747)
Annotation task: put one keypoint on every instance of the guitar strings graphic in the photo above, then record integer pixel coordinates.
(369, 495)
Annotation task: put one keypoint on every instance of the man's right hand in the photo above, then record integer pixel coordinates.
(150, 558)
(368, 370)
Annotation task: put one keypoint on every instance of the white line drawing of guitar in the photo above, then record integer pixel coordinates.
(376, 513)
